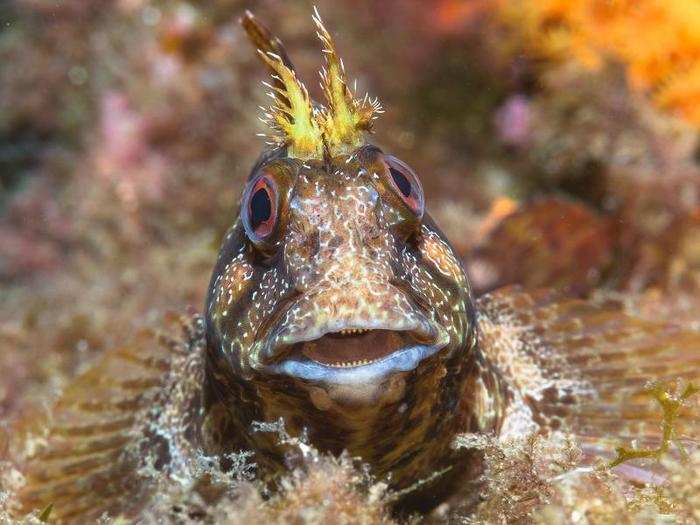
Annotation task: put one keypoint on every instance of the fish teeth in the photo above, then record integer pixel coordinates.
(351, 364)
(354, 331)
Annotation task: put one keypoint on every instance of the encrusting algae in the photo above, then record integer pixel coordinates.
(343, 370)
(657, 41)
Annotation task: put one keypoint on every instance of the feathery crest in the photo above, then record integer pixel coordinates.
(292, 117)
(309, 130)
(345, 118)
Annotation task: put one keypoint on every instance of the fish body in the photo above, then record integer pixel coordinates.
(338, 307)
(357, 326)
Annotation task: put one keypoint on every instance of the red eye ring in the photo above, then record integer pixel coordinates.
(259, 208)
(405, 184)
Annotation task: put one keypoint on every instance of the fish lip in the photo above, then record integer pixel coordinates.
(276, 353)
(279, 343)
(430, 337)
(402, 360)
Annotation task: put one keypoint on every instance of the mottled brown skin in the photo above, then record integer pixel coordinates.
(347, 253)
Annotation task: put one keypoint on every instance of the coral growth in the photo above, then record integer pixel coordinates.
(657, 41)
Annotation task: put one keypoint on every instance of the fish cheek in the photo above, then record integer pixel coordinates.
(440, 256)
(230, 287)
(237, 306)
(451, 285)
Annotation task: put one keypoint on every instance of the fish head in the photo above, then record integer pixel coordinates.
(335, 276)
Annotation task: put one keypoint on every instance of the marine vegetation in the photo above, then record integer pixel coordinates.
(663, 64)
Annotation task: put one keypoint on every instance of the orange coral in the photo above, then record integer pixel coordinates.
(658, 41)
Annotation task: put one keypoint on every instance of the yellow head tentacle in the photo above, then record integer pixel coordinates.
(345, 118)
(308, 130)
(292, 117)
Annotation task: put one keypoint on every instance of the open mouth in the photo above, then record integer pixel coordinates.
(359, 354)
(353, 347)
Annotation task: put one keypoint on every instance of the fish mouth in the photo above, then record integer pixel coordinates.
(359, 354)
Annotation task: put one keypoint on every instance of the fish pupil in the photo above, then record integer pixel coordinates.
(401, 182)
(260, 207)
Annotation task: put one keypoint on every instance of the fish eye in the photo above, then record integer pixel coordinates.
(260, 203)
(405, 184)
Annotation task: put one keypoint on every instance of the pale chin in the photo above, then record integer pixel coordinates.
(371, 394)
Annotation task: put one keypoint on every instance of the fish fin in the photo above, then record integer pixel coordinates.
(86, 461)
(590, 368)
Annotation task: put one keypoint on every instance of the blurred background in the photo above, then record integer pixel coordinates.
(557, 142)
